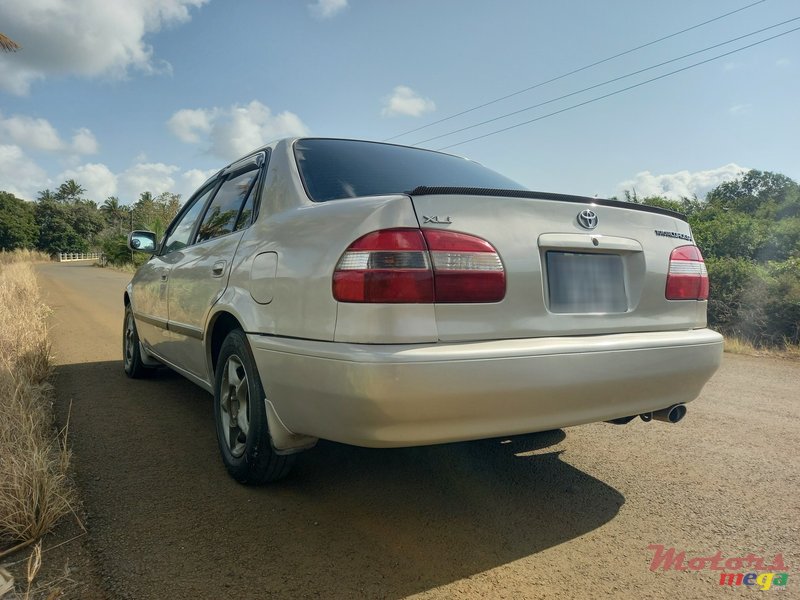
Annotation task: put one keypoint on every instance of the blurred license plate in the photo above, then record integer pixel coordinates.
(586, 283)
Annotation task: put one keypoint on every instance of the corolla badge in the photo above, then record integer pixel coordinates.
(587, 219)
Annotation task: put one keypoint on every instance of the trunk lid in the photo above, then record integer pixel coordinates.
(562, 277)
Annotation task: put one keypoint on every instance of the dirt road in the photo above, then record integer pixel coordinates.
(563, 514)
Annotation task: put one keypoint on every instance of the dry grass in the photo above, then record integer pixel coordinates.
(736, 345)
(22, 256)
(124, 268)
(35, 490)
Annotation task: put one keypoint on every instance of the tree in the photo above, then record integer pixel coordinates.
(155, 213)
(67, 221)
(86, 220)
(750, 233)
(70, 191)
(658, 201)
(46, 196)
(56, 233)
(169, 205)
(758, 193)
(729, 233)
(7, 44)
(17, 223)
(687, 206)
(114, 212)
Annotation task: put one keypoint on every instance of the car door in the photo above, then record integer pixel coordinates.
(150, 284)
(200, 276)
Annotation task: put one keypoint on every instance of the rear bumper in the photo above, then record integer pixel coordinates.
(408, 395)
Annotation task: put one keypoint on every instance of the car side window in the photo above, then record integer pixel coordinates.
(181, 233)
(247, 212)
(223, 214)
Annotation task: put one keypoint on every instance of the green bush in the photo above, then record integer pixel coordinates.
(18, 229)
(756, 302)
(115, 249)
(783, 302)
(749, 232)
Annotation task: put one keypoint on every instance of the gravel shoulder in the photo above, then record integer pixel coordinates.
(560, 514)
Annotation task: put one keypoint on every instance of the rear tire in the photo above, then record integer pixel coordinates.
(131, 350)
(241, 419)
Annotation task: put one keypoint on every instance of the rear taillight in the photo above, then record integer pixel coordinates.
(465, 268)
(687, 278)
(416, 266)
(385, 266)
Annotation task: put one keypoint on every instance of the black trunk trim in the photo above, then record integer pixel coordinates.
(465, 191)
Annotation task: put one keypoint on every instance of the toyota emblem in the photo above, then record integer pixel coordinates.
(587, 219)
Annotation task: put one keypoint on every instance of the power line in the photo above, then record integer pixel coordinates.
(578, 70)
(596, 99)
(591, 87)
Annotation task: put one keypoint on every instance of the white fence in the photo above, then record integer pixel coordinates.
(69, 256)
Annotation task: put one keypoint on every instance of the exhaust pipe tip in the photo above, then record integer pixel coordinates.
(673, 414)
(646, 417)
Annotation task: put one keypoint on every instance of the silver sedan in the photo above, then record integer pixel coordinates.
(384, 296)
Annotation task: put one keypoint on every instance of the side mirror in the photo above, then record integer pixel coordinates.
(142, 241)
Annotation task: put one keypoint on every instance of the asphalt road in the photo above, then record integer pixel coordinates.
(561, 514)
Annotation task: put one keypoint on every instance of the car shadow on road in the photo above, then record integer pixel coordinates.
(349, 522)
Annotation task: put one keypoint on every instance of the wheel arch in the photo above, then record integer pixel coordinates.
(220, 325)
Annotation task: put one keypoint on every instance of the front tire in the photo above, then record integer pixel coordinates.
(240, 416)
(131, 350)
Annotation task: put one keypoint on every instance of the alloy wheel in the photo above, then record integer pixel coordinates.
(234, 405)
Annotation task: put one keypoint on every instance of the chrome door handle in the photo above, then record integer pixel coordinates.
(218, 269)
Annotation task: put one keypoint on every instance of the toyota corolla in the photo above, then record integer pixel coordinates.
(384, 296)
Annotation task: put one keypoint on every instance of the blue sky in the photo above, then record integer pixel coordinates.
(133, 95)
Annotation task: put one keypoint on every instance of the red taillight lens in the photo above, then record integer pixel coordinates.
(415, 266)
(466, 268)
(388, 266)
(687, 278)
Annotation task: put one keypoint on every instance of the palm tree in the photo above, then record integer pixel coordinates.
(114, 212)
(7, 44)
(46, 196)
(70, 191)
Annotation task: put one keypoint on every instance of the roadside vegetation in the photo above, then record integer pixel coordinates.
(749, 232)
(64, 220)
(35, 487)
(734, 345)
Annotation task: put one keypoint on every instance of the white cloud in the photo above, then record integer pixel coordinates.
(682, 183)
(783, 62)
(146, 177)
(190, 124)
(233, 131)
(83, 37)
(193, 179)
(84, 142)
(38, 134)
(23, 177)
(325, 9)
(739, 109)
(96, 178)
(405, 101)
(19, 174)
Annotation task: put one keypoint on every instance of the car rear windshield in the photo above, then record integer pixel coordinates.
(333, 169)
